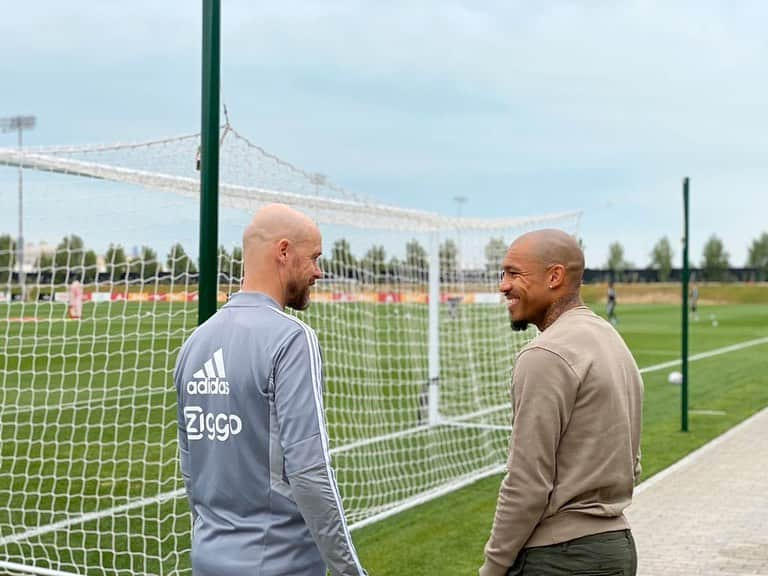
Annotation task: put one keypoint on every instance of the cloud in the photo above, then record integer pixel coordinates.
(526, 107)
(81, 32)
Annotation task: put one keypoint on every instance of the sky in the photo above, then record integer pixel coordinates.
(524, 108)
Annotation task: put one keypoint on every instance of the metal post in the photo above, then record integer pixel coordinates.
(20, 244)
(460, 200)
(685, 276)
(20, 123)
(434, 330)
(209, 162)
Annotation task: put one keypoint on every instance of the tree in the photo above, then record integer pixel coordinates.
(661, 258)
(179, 262)
(375, 261)
(7, 257)
(44, 264)
(449, 259)
(225, 262)
(116, 262)
(73, 262)
(146, 265)
(69, 253)
(715, 259)
(416, 257)
(495, 251)
(90, 266)
(616, 262)
(395, 268)
(326, 265)
(342, 261)
(757, 257)
(237, 264)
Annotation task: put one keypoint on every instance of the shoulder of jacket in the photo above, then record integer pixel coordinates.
(541, 353)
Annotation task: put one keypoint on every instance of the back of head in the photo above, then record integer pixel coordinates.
(552, 247)
(280, 251)
(272, 223)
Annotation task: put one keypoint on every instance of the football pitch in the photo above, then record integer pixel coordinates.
(89, 413)
(88, 422)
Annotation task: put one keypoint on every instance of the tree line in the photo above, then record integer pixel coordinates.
(72, 259)
(714, 262)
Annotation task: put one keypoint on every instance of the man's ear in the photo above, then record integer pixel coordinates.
(282, 250)
(556, 276)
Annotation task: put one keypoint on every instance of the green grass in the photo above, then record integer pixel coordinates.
(670, 293)
(88, 424)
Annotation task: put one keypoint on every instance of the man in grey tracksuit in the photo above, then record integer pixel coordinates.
(252, 435)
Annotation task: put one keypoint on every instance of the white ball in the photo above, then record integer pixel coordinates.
(675, 378)
(714, 323)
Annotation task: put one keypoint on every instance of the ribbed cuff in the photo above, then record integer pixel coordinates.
(490, 568)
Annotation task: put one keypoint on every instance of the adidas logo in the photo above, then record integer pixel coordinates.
(210, 379)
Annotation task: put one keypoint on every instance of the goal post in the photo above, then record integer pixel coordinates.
(434, 330)
(416, 342)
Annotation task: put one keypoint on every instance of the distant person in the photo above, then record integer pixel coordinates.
(574, 450)
(253, 441)
(695, 301)
(75, 303)
(453, 306)
(610, 308)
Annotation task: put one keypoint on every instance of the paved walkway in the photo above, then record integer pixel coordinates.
(708, 514)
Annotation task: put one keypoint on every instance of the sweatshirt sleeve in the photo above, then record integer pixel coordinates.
(544, 393)
(182, 430)
(298, 389)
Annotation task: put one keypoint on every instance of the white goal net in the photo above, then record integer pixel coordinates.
(417, 344)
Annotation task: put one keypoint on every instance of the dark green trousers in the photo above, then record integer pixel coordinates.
(606, 554)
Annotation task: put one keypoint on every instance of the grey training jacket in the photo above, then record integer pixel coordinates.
(254, 447)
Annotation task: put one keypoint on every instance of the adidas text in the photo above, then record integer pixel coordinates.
(212, 386)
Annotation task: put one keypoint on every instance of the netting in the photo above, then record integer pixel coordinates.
(417, 394)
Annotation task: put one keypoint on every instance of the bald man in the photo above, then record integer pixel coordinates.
(252, 434)
(574, 451)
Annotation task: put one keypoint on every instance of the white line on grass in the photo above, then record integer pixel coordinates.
(383, 438)
(78, 340)
(419, 499)
(709, 354)
(72, 405)
(81, 519)
(436, 492)
(27, 569)
(480, 426)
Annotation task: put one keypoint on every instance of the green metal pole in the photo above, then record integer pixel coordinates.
(209, 162)
(685, 276)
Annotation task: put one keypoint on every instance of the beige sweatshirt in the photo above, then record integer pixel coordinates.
(574, 451)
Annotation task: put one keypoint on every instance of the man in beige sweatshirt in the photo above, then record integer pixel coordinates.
(574, 451)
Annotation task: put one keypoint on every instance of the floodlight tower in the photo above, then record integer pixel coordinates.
(19, 124)
(460, 200)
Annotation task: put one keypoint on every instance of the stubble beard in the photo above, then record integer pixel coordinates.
(298, 296)
(517, 325)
